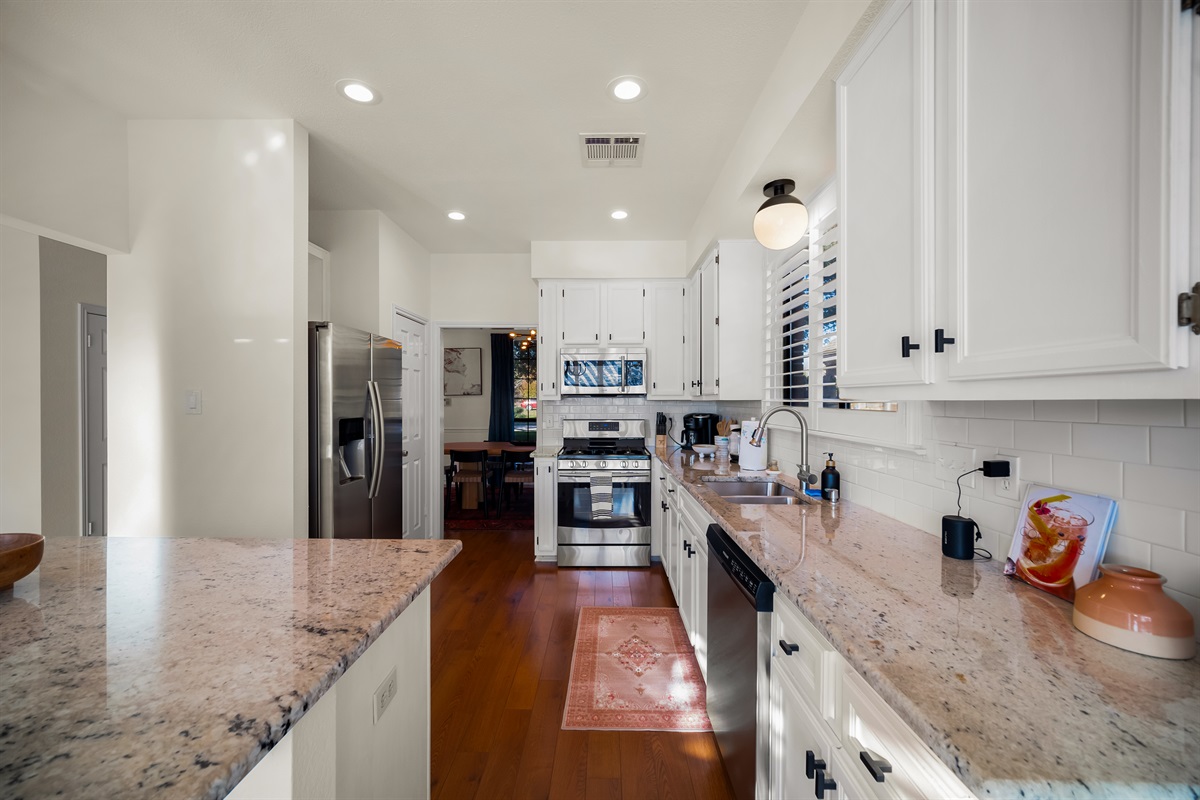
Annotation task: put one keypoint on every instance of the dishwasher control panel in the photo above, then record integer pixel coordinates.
(753, 581)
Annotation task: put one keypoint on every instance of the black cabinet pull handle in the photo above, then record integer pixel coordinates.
(788, 649)
(940, 340)
(671, 491)
(876, 766)
(812, 763)
(907, 346)
(664, 504)
(823, 785)
(662, 477)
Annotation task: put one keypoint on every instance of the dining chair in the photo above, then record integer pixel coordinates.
(471, 466)
(516, 473)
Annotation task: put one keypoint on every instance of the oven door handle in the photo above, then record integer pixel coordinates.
(617, 477)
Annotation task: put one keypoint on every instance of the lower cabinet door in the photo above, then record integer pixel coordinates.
(803, 750)
(545, 499)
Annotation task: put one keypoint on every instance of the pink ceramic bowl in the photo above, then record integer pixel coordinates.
(1127, 608)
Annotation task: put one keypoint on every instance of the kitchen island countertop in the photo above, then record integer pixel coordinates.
(989, 672)
(167, 668)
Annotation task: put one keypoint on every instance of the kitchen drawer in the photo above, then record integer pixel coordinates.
(870, 726)
(697, 518)
(812, 665)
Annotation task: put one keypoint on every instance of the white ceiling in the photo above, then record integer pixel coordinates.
(482, 101)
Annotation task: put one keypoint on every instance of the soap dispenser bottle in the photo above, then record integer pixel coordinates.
(831, 479)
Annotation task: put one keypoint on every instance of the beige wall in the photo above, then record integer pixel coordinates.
(212, 297)
(467, 418)
(488, 288)
(63, 161)
(69, 276)
(20, 384)
(403, 274)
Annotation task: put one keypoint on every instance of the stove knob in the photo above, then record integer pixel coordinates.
(602, 464)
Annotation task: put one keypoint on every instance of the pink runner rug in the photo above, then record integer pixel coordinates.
(633, 669)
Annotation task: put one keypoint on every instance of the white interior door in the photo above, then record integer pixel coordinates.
(410, 333)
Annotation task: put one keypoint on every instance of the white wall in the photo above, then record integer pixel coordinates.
(20, 384)
(211, 297)
(63, 164)
(609, 259)
(403, 274)
(467, 418)
(1143, 453)
(69, 276)
(487, 288)
(352, 239)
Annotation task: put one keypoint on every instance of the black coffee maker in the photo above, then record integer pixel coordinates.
(698, 429)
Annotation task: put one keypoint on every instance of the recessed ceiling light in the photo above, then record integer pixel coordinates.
(627, 88)
(619, 214)
(457, 216)
(358, 91)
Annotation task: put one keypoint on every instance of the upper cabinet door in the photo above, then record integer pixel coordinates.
(885, 127)
(709, 362)
(1059, 120)
(664, 339)
(624, 318)
(548, 339)
(579, 313)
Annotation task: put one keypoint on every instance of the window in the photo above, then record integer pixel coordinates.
(525, 404)
(801, 337)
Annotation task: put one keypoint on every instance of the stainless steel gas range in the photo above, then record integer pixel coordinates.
(604, 494)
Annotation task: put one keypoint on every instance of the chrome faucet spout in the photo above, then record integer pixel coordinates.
(803, 474)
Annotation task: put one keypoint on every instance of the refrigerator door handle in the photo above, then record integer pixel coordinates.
(379, 444)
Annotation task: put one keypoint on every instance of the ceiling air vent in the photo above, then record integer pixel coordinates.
(612, 149)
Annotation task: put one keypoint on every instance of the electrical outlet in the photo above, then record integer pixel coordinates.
(1009, 487)
(385, 694)
(953, 461)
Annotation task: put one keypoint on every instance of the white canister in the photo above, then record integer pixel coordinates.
(752, 458)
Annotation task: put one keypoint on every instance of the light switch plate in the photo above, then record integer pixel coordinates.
(1010, 487)
(385, 694)
(953, 461)
(193, 401)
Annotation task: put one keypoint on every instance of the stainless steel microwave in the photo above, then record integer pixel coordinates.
(602, 370)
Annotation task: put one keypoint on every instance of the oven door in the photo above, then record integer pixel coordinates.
(630, 518)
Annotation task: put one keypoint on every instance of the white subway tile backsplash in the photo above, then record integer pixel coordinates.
(1043, 437)
(1191, 532)
(1008, 409)
(1175, 447)
(994, 432)
(1182, 570)
(1129, 443)
(1034, 467)
(1164, 486)
(1142, 412)
(1131, 552)
(936, 408)
(923, 473)
(1191, 413)
(901, 467)
(1090, 475)
(950, 429)
(918, 494)
(919, 517)
(964, 408)
(1192, 604)
(891, 485)
(993, 515)
(1149, 523)
(1065, 410)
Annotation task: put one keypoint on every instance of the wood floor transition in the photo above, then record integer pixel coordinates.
(503, 633)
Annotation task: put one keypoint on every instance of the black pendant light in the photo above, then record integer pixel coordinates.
(782, 220)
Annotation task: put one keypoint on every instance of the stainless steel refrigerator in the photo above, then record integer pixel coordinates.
(355, 444)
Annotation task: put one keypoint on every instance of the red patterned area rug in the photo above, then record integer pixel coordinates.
(634, 670)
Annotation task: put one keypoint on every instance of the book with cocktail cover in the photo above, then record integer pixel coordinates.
(1060, 539)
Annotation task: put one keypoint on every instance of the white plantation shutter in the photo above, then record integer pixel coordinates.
(800, 339)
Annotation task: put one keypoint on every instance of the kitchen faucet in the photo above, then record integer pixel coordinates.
(802, 474)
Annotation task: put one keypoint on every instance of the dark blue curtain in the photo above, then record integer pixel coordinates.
(500, 427)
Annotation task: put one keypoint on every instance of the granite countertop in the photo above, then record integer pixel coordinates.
(989, 672)
(167, 668)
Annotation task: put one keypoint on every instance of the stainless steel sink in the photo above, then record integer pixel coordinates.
(756, 493)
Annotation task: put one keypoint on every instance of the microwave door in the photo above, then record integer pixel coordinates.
(633, 375)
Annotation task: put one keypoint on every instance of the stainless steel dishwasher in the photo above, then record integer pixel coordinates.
(740, 598)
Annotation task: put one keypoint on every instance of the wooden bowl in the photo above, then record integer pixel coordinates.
(20, 554)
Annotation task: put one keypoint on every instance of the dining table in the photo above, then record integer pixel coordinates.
(470, 491)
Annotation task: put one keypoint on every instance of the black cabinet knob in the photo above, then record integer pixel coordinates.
(876, 766)
(940, 340)
(812, 763)
(906, 346)
(822, 785)
(788, 649)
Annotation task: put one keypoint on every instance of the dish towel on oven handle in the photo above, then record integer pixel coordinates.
(602, 499)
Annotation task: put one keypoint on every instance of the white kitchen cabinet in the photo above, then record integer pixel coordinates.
(548, 338)
(726, 325)
(665, 331)
(709, 381)
(545, 499)
(800, 745)
(692, 337)
(623, 312)
(579, 312)
(1040, 252)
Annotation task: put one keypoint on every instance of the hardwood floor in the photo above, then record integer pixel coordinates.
(503, 634)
